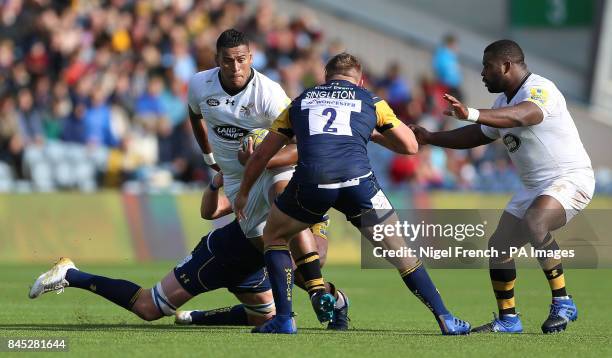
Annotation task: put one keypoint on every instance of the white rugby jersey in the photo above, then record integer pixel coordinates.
(546, 150)
(229, 118)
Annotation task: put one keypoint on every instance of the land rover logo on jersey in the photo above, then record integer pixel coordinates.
(230, 132)
(213, 102)
(512, 142)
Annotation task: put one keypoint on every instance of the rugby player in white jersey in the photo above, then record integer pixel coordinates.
(225, 104)
(234, 99)
(531, 117)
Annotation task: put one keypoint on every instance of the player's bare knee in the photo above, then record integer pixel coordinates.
(150, 315)
(273, 236)
(145, 308)
(153, 304)
(269, 231)
(535, 227)
(497, 242)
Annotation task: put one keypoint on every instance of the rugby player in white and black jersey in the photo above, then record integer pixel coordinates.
(233, 99)
(225, 104)
(531, 117)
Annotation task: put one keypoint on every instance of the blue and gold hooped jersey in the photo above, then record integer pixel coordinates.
(333, 123)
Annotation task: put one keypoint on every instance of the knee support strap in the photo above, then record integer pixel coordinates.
(161, 301)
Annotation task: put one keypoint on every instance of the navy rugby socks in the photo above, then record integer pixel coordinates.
(280, 272)
(228, 316)
(419, 282)
(120, 292)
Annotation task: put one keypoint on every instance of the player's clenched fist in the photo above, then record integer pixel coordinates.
(217, 180)
(245, 154)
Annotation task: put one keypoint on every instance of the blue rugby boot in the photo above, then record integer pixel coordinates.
(562, 311)
(277, 325)
(340, 322)
(323, 305)
(503, 324)
(453, 326)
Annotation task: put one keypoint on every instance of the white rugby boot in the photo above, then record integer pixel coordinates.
(183, 317)
(52, 280)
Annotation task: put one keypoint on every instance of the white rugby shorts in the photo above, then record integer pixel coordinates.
(574, 191)
(258, 205)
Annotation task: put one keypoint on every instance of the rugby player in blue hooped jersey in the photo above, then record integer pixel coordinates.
(333, 123)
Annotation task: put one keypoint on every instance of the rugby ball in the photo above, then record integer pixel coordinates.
(256, 135)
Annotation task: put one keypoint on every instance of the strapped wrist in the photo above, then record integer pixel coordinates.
(473, 115)
(209, 159)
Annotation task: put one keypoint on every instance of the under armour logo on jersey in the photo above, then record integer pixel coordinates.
(228, 101)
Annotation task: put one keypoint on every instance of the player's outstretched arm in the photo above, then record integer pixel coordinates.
(285, 157)
(520, 115)
(392, 133)
(378, 138)
(461, 138)
(399, 139)
(255, 166)
(201, 135)
(214, 204)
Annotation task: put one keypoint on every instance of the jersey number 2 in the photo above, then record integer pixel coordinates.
(332, 116)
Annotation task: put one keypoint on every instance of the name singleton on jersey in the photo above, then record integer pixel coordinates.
(344, 94)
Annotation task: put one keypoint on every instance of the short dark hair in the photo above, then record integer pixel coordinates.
(231, 38)
(342, 64)
(506, 50)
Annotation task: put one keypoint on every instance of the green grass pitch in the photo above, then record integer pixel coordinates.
(386, 319)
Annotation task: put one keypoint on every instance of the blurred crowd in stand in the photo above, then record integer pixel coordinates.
(93, 94)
